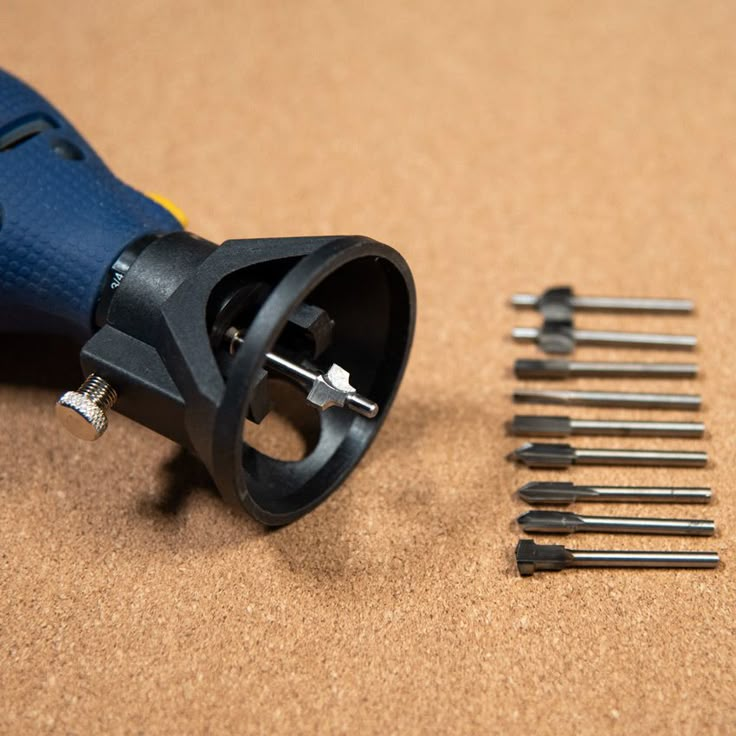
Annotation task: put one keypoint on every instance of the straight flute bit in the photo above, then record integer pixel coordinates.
(565, 522)
(553, 492)
(620, 399)
(532, 557)
(561, 301)
(526, 425)
(558, 369)
(562, 338)
(544, 455)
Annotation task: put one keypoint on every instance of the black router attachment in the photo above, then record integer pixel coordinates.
(191, 335)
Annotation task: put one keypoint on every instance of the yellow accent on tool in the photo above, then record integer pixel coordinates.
(167, 204)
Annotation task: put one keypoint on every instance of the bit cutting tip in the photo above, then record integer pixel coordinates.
(324, 390)
(333, 389)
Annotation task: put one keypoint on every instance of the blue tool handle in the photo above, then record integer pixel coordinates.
(64, 218)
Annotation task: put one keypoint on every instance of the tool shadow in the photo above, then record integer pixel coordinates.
(183, 485)
(50, 364)
(182, 478)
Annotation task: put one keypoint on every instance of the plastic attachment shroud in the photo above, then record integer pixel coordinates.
(156, 349)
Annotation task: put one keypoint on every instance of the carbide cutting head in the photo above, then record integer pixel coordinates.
(535, 368)
(544, 455)
(554, 492)
(531, 557)
(550, 522)
(525, 424)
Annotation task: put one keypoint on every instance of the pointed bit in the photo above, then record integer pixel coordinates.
(544, 455)
(551, 492)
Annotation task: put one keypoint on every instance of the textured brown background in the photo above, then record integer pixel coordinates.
(499, 146)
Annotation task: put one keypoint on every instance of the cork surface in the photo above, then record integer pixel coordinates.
(500, 147)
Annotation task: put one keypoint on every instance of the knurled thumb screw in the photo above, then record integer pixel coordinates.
(84, 412)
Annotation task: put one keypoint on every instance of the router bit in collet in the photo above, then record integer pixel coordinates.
(560, 301)
(544, 455)
(187, 337)
(560, 336)
(617, 399)
(566, 522)
(532, 557)
(554, 492)
(556, 368)
(323, 390)
(548, 426)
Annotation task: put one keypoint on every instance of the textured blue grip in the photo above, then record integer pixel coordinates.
(64, 218)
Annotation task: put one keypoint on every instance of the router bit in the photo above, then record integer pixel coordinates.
(618, 399)
(559, 369)
(559, 336)
(525, 425)
(187, 337)
(553, 492)
(559, 302)
(532, 557)
(324, 390)
(565, 522)
(543, 455)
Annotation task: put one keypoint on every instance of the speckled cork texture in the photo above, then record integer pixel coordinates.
(500, 147)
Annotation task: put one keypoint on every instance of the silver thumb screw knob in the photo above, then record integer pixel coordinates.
(84, 412)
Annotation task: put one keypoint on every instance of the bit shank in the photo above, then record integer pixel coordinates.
(614, 339)
(532, 557)
(632, 304)
(552, 492)
(686, 459)
(548, 455)
(563, 522)
(620, 399)
(560, 369)
(635, 339)
(621, 558)
(549, 426)
(566, 296)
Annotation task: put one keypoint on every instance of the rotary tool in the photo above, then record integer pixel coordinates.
(189, 338)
